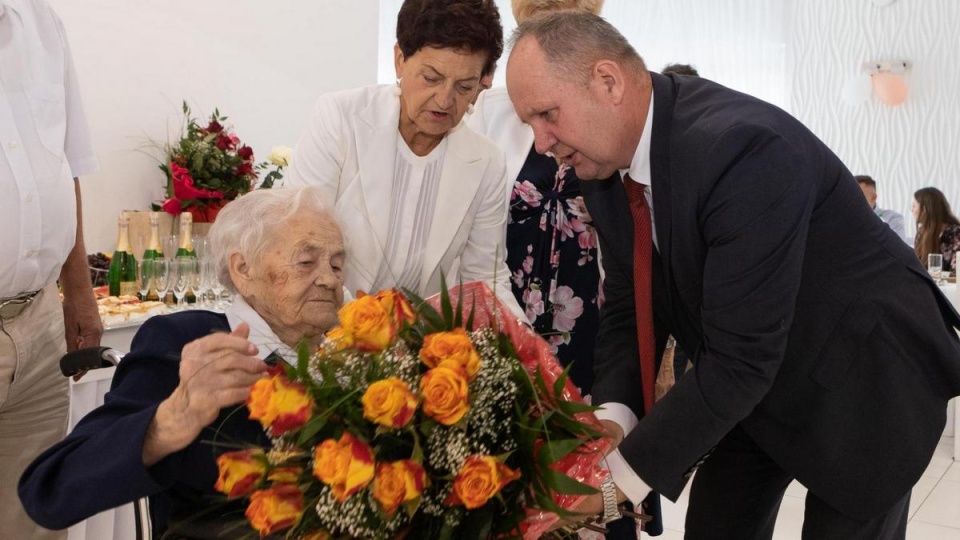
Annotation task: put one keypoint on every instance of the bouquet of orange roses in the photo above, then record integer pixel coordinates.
(418, 418)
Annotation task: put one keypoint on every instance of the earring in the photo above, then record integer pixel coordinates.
(397, 91)
(470, 108)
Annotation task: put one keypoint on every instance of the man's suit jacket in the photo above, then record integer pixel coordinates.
(349, 150)
(98, 466)
(809, 322)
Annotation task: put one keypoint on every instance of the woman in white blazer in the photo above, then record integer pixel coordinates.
(416, 192)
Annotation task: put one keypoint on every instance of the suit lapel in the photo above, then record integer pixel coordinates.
(463, 171)
(377, 133)
(663, 102)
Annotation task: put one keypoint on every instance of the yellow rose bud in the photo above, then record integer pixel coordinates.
(366, 325)
(346, 465)
(274, 509)
(445, 396)
(279, 404)
(451, 347)
(240, 472)
(389, 402)
(280, 156)
(398, 482)
(480, 478)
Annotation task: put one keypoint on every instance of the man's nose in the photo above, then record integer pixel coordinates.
(543, 141)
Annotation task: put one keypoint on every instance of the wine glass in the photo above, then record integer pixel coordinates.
(216, 285)
(161, 278)
(196, 282)
(201, 246)
(144, 277)
(170, 244)
(935, 266)
(181, 276)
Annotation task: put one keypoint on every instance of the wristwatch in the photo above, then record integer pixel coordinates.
(611, 510)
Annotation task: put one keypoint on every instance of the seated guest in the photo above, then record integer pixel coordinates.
(174, 396)
(415, 192)
(890, 217)
(938, 230)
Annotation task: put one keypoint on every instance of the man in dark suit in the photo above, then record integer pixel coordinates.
(822, 350)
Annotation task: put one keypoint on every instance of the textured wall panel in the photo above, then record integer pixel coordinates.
(904, 148)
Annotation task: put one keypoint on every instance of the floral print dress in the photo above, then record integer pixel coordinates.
(552, 256)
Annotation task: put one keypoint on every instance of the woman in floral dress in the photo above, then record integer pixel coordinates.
(552, 256)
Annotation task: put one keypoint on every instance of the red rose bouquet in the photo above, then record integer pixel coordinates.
(418, 419)
(208, 167)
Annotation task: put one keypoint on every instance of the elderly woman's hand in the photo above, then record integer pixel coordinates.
(215, 372)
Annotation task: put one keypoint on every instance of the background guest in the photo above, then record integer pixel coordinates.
(414, 192)
(175, 392)
(46, 146)
(890, 217)
(938, 230)
(680, 69)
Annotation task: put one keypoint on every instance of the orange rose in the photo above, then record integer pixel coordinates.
(335, 339)
(444, 391)
(274, 509)
(366, 325)
(398, 482)
(480, 478)
(389, 402)
(240, 472)
(346, 465)
(452, 348)
(279, 403)
(397, 307)
(285, 475)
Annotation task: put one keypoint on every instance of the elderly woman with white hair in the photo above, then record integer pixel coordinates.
(281, 253)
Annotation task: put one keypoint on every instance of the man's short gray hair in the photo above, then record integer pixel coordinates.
(250, 222)
(572, 41)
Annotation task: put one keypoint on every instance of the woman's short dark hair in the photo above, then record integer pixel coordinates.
(473, 25)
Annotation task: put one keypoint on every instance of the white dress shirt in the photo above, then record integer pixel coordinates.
(261, 334)
(623, 476)
(44, 144)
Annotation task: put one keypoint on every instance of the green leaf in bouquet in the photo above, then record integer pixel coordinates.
(445, 305)
(303, 360)
(556, 450)
(431, 318)
(477, 523)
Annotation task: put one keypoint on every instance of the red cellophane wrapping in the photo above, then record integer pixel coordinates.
(535, 355)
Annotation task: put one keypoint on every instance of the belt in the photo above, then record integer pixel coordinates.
(15, 305)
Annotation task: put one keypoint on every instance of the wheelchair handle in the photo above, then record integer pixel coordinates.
(89, 358)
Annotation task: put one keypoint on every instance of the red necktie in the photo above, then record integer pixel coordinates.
(643, 286)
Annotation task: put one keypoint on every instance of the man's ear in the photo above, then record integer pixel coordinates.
(240, 273)
(398, 60)
(609, 77)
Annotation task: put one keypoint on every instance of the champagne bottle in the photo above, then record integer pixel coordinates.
(122, 276)
(186, 236)
(153, 252)
(186, 247)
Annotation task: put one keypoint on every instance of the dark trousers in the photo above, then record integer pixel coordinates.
(736, 495)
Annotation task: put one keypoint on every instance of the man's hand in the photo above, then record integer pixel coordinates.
(615, 432)
(216, 371)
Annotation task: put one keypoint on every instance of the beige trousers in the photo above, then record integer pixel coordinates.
(34, 404)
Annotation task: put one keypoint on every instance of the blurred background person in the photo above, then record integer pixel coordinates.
(551, 244)
(869, 187)
(174, 395)
(938, 230)
(414, 192)
(680, 69)
(46, 147)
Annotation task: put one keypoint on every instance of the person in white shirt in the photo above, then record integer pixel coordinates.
(45, 148)
(418, 194)
(892, 218)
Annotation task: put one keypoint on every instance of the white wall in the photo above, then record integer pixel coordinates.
(262, 63)
(904, 148)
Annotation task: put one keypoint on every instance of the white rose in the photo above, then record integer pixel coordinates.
(280, 156)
